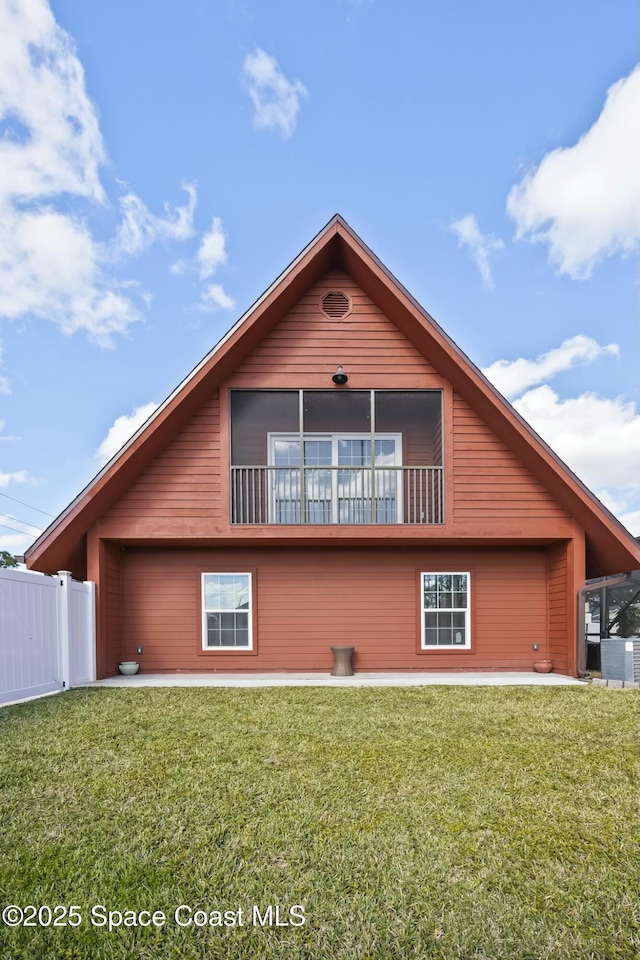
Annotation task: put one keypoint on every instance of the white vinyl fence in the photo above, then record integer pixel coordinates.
(47, 633)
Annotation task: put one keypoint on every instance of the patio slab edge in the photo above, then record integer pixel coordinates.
(326, 680)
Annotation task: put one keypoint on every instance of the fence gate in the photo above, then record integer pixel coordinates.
(47, 633)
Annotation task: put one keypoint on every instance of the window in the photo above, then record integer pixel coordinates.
(226, 611)
(337, 478)
(445, 611)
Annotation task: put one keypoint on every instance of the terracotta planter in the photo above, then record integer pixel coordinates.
(543, 666)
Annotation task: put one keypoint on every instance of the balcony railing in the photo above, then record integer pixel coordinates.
(336, 494)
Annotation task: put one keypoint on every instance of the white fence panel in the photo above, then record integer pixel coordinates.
(82, 626)
(47, 633)
(28, 635)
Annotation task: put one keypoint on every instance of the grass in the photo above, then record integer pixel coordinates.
(432, 822)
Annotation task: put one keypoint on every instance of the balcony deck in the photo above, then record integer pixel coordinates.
(337, 495)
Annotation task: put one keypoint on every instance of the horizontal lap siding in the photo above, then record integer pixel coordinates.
(309, 600)
(184, 480)
(111, 604)
(489, 482)
(557, 573)
(304, 343)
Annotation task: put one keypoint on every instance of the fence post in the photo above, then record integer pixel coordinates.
(64, 639)
(90, 597)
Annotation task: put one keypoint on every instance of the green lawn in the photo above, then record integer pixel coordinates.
(432, 822)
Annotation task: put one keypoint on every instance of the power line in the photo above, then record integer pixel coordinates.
(15, 500)
(10, 516)
(15, 529)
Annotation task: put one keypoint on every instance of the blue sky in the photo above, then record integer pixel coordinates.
(161, 163)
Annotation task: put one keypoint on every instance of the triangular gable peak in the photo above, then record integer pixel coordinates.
(337, 248)
(306, 345)
(302, 349)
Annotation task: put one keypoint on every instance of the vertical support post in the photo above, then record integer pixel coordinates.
(372, 418)
(604, 613)
(64, 639)
(303, 498)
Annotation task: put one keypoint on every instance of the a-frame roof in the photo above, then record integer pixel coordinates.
(610, 548)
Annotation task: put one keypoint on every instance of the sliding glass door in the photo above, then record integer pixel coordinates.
(336, 478)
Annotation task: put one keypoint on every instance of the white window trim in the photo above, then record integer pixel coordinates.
(335, 438)
(467, 611)
(205, 611)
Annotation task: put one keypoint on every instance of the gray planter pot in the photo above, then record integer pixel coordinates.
(342, 661)
(128, 668)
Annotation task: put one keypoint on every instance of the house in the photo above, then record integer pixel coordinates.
(334, 472)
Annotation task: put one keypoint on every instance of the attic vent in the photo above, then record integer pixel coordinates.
(336, 305)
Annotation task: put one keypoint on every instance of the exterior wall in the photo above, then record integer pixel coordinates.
(489, 482)
(183, 482)
(308, 600)
(109, 609)
(565, 576)
(184, 492)
(305, 347)
(558, 587)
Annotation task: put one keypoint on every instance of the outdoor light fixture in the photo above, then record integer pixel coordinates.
(340, 376)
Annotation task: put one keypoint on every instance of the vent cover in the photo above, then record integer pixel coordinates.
(336, 305)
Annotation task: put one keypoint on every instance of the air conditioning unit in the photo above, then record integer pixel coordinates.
(620, 658)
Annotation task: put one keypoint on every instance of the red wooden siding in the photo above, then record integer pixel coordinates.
(111, 607)
(186, 485)
(489, 482)
(311, 599)
(306, 346)
(184, 480)
(557, 580)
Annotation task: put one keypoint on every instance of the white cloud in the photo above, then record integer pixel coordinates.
(480, 245)
(511, 377)
(212, 253)
(584, 200)
(598, 437)
(276, 100)
(122, 429)
(42, 91)
(140, 228)
(625, 505)
(19, 476)
(51, 151)
(215, 298)
(49, 268)
(52, 148)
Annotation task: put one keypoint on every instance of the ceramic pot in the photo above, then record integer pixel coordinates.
(128, 668)
(543, 666)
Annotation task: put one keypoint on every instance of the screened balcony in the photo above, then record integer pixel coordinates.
(336, 457)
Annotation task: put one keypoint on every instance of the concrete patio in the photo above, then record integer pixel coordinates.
(496, 679)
